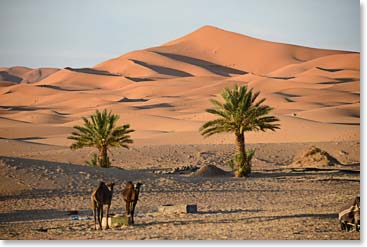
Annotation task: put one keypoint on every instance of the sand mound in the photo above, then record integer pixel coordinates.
(209, 171)
(315, 157)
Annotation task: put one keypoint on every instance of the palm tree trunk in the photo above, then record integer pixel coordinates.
(240, 143)
(240, 151)
(103, 159)
(243, 165)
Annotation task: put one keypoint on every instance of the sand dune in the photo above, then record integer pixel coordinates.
(222, 53)
(163, 91)
(346, 114)
(36, 75)
(20, 74)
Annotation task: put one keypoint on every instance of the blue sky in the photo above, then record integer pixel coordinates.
(83, 33)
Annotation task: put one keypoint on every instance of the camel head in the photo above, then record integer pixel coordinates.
(129, 184)
(138, 185)
(111, 185)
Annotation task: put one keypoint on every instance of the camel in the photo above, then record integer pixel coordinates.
(349, 217)
(135, 201)
(131, 197)
(102, 195)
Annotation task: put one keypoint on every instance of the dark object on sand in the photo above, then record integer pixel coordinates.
(131, 197)
(72, 212)
(349, 216)
(102, 195)
(178, 209)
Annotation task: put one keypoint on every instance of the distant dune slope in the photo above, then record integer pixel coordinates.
(163, 91)
(20, 74)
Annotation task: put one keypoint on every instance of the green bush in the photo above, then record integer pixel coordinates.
(96, 162)
(241, 164)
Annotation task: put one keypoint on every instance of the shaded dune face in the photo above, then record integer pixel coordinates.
(163, 91)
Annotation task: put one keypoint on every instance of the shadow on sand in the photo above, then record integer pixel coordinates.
(236, 219)
(37, 214)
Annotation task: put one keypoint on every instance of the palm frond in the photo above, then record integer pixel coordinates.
(240, 111)
(101, 130)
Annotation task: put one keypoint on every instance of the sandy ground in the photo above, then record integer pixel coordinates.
(41, 184)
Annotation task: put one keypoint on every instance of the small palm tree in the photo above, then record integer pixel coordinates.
(239, 114)
(102, 132)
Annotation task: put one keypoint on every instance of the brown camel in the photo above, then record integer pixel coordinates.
(102, 195)
(349, 217)
(131, 197)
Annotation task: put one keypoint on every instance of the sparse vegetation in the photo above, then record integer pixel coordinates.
(94, 161)
(101, 132)
(237, 159)
(240, 113)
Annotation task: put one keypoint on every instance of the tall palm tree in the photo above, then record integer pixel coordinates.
(240, 113)
(102, 132)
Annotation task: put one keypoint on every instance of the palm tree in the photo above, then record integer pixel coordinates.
(239, 114)
(102, 132)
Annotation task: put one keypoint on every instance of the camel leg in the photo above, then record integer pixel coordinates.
(127, 210)
(342, 226)
(101, 210)
(100, 216)
(95, 217)
(93, 207)
(107, 211)
(133, 212)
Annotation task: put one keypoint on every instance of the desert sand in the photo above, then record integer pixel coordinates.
(162, 92)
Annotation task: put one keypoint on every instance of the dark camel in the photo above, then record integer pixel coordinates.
(131, 197)
(102, 195)
(349, 217)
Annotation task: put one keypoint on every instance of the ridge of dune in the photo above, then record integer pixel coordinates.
(74, 80)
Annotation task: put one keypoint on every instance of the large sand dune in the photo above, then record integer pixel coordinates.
(163, 91)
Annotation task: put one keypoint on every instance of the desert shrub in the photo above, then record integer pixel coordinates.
(93, 162)
(241, 164)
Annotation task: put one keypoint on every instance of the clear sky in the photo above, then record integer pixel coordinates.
(83, 33)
